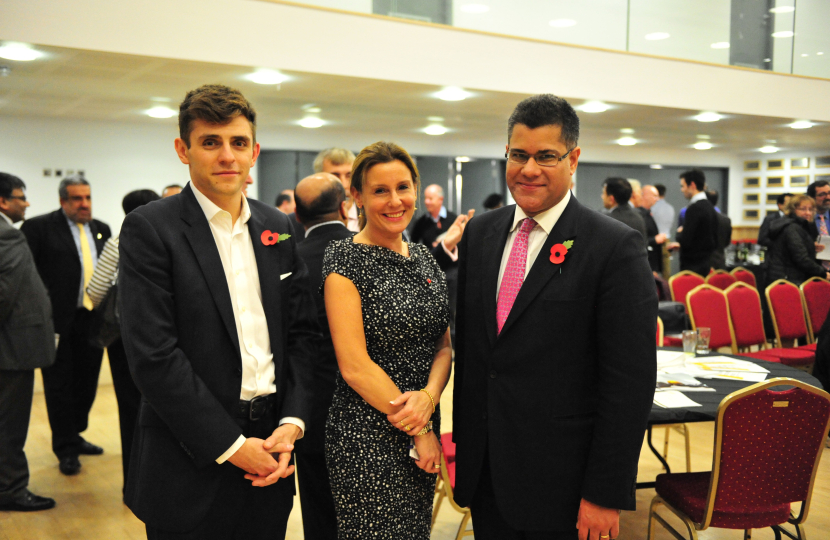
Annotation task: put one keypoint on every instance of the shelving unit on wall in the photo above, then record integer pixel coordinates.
(765, 179)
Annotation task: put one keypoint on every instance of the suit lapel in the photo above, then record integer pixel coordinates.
(268, 268)
(543, 270)
(207, 255)
(491, 254)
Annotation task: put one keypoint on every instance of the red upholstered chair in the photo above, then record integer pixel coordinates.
(709, 308)
(446, 484)
(816, 294)
(787, 312)
(745, 313)
(767, 448)
(742, 274)
(681, 283)
(720, 279)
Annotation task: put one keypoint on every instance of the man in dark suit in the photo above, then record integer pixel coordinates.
(65, 245)
(616, 192)
(555, 360)
(763, 232)
(435, 221)
(322, 209)
(697, 238)
(217, 323)
(724, 233)
(27, 342)
(655, 238)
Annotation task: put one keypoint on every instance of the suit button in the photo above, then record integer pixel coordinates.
(493, 374)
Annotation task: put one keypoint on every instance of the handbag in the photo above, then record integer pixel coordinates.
(106, 321)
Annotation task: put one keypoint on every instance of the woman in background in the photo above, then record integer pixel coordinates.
(387, 306)
(792, 255)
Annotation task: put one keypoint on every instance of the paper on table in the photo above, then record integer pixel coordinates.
(672, 400)
(669, 359)
(824, 254)
(723, 363)
(734, 376)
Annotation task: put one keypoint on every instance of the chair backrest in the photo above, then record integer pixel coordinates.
(682, 282)
(745, 314)
(786, 310)
(767, 446)
(659, 332)
(742, 274)
(709, 308)
(816, 294)
(720, 279)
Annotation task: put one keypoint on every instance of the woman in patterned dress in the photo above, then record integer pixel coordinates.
(386, 302)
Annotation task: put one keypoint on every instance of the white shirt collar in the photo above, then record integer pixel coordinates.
(210, 209)
(547, 219)
(700, 196)
(7, 218)
(321, 224)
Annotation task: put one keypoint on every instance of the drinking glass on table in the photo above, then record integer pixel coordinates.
(703, 336)
(689, 342)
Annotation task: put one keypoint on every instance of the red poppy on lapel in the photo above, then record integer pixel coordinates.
(269, 238)
(558, 251)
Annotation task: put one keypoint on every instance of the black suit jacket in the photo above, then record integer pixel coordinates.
(179, 332)
(763, 232)
(560, 399)
(57, 261)
(699, 237)
(630, 216)
(324, 362)
(655, 250)
(425, 231)
(724, 239)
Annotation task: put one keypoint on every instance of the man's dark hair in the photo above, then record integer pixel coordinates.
(323, 208)
(76, 180)
(140, 197)
(214, 104)
(696, 177)
(546, 110)
(811, 189)
(619, 188)
(493, 201)
(712, 196)
(781, 199)
(281, 198)
(661, 190)
(9, 183)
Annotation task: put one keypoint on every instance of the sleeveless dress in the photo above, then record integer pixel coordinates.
(379, 491)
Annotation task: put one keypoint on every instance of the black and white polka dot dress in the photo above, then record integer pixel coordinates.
(379, 491)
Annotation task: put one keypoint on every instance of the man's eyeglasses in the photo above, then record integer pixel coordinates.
(18, 197)
(543, 160)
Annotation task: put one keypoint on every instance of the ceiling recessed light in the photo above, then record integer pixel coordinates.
(161, 112)
(266, 76)
(452, 93)
(435, 118)
(594, 107)
(627, 141)
(562, 23)
(783, 34)
(804, 55)
(767, 60)
(474, 8)
(782, 9)
(708, 117)
(819, 53)
(21, 52)
(768, 149)
(311, 122)
(656, 36)
(702, 145)
(435, 129)
(720, 45)
(656, 166)
(628, 131)
(463, 159)
(802, 124)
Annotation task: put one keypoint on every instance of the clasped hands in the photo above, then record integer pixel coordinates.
(415, 412)
(266, 461)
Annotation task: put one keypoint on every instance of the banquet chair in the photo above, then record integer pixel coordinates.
(766, 453)
(709, 308)
(745, 313)
(742, 274)
(446, 484)
(816, 295)
(720, 279)
(681, 283)
(786, 309)
(659, 332)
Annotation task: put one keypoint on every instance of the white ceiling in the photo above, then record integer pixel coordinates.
(89, 85)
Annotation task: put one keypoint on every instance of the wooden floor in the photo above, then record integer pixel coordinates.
(89, 505)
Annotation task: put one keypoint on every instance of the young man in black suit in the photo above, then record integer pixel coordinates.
(555, 358)
(65, 245)
(322, 210)
(698, 237)
(616, 192)
(218, 325)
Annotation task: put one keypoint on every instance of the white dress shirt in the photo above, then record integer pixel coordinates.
(233, 241)
(545, 221)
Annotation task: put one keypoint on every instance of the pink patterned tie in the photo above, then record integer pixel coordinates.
(822, 230)
(514, 272)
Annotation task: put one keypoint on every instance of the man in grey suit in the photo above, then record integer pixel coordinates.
(27, 342)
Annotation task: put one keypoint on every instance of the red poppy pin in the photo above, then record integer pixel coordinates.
(269, 238)
(558, 252)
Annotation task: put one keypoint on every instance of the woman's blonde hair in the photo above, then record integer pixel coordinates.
(795, 202)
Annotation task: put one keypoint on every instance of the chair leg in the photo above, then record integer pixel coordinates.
(688, 448)
(462, 529)
(439, 490)
(747, 534)
(666, 443)
(654, 516)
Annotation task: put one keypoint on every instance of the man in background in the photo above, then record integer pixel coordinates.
(820, 191)
(169, 191)
(655, 238)
(321, 208)
(285, 201)
(27, 342)
(65, 245)
(338, 161)
(435, 221)
(616, 193)
(763, 232)
(698, 236)
(724, 232)
(493, 201)
(663, 212)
